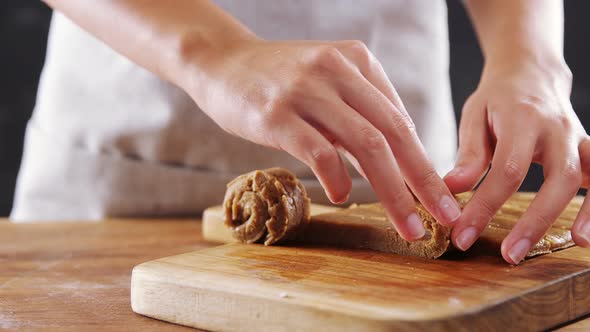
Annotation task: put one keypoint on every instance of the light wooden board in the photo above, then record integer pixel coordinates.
(214, 229)
(239, 287)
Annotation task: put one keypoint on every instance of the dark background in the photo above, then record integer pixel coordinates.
(23, 35)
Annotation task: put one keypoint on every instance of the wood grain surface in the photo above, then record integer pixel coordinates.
(76, 276)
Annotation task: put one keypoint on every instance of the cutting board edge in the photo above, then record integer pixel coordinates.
(498, 310)
(140, 304)
(343, 322)
(161, 267)
(484, 315)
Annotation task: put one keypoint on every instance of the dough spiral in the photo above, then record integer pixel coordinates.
(266, 205)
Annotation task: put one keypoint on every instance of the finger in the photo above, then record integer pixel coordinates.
(561, 185)
(368, 145)
(511, 161)
(363, 59)
(398, 130)
(581, 227)
(305, 143)
(474, 153)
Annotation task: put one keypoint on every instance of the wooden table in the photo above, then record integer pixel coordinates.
(76, 276)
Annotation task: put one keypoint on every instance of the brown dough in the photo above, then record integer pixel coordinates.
(272, 205)
(269, 205)
(367, 226)
(556, 238)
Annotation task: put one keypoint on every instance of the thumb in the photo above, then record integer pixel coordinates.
(474, 153)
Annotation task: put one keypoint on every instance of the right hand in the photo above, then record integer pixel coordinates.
(312, 99)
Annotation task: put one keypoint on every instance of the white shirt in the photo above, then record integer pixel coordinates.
(108, 138)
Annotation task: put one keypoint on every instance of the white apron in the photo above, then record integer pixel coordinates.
(110, 139)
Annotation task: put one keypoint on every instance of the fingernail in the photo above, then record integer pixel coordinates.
(466, 238)
(449, 209)
(415, 227)
(519, 250)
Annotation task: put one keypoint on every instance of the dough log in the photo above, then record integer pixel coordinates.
(367, 226)
(266, 206)
(272, 206)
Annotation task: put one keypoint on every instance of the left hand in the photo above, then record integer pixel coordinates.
(519, 114)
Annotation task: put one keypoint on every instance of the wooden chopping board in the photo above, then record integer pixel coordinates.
(239, 287)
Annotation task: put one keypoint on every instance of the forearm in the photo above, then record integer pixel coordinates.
(165, 39)
(519, 30)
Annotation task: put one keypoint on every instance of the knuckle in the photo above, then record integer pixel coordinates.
(372, 140)
(486, 209)
(361, 53)
(358, 46)
(428, 179)
(514, 172)
(572, 174)
(531, 103)
(403, 201)
(273, 114)
(471, 156)
(564, 123)
(542, 220)
(299, 81)
(529, 109)
(322, 156)
(325, 59)
(291, 95)
(543, 110)
(402, 127)
(545, 221)
(283, 99)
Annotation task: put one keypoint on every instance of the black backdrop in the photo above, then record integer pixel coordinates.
(23, 35)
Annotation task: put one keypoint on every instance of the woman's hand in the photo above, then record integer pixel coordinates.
(312, 99)
(519, 114)
(307, 98)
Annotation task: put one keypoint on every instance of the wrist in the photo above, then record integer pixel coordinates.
(539, 64)
(196, 52)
